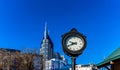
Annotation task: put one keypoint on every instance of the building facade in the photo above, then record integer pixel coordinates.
(55, 64)
(51, 60)
(85, 67)
(46, 48)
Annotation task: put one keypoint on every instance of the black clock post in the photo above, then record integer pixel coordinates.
(73, 63)
(73, 44)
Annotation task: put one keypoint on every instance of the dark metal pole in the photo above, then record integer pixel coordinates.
(73, 63)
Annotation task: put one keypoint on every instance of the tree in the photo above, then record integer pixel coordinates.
(19, 61)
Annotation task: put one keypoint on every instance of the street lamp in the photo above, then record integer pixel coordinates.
(73, 44)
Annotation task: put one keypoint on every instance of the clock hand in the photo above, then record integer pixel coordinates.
(72, 43)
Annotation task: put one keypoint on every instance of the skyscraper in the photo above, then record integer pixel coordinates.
(46, 47)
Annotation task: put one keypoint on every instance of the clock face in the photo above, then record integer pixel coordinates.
(74, 43)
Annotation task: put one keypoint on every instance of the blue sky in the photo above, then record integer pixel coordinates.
(22, 25)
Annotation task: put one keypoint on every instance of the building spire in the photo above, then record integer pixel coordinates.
(45, 32)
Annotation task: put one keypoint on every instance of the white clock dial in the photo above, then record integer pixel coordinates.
(74, 43)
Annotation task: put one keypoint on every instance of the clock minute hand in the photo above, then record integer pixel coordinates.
(72, 43)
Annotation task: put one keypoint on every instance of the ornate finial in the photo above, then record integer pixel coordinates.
(73, 30)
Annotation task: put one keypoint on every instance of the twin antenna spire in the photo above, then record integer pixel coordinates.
(46, 31)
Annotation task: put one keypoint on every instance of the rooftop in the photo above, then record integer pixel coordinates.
(112, 57)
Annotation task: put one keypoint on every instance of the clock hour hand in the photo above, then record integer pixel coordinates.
(72, 43)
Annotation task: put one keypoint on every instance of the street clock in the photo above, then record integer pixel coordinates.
(73, 43)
